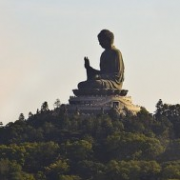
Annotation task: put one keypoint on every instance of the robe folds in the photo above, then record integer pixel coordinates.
(110, 75)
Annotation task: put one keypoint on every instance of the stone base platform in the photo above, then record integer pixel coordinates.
(99, 92)
(102, 104)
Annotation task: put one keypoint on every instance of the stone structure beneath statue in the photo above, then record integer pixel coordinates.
(99, 92)
(101, 103)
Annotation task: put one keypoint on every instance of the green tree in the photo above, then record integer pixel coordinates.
(21, 117)
(90, 169)
(127, 146)
(56, 169)
(136, 170)
(40, 155)
(10, 170)
(57, 104)
(69, 177)
(171, 171)
(78, 150)
(44, 107)
(30, 114)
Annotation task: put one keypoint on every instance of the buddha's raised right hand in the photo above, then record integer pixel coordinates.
(86, 62)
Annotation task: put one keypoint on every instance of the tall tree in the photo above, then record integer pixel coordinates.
(57, 104)
(44, 107)
(21, 117)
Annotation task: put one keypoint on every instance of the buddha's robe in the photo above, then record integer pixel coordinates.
(110, 75)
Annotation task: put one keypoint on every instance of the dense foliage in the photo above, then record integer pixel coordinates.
(52, 145)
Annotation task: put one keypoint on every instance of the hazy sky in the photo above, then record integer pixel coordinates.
(43, 42)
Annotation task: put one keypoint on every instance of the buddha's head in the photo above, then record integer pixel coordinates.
(106, 38)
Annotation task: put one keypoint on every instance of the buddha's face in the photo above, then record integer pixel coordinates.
(104, 43)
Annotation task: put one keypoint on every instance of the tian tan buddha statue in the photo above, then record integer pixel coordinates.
(109, 79)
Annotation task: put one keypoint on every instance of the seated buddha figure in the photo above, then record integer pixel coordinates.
(111, 73)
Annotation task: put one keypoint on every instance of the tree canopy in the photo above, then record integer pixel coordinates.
(53, 145)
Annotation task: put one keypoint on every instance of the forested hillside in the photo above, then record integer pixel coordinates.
(53, 145)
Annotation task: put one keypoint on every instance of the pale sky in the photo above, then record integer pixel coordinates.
(43, 43)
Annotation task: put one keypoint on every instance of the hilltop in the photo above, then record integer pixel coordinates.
(52, 145)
